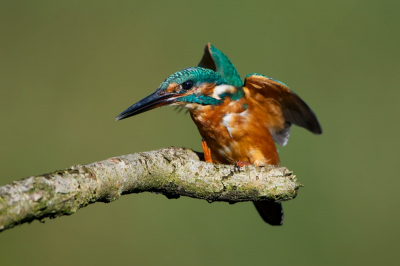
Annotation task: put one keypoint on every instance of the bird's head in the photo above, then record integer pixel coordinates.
(190, 88)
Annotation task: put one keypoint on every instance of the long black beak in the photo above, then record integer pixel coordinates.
(154, 100)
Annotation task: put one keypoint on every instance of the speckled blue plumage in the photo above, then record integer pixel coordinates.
(197, 74)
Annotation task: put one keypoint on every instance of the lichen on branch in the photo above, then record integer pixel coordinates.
(173, 172)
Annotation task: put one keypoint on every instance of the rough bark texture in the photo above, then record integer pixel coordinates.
(173, 172)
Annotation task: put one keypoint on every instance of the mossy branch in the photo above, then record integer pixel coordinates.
(173, 172)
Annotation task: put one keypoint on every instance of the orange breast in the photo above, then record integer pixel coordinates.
(237, 131)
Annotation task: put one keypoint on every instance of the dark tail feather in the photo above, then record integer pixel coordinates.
(270, 211)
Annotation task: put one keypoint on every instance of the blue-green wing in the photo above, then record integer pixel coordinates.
(215, 60)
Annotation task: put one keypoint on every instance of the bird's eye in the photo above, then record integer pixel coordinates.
(187, 84)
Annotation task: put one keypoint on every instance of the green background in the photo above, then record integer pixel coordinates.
(67, 68)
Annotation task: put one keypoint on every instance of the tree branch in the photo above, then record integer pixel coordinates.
(173, 172)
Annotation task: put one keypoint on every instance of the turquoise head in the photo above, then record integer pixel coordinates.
(185, 86)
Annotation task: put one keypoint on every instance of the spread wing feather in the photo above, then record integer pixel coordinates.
(217, 61)
(285, 102)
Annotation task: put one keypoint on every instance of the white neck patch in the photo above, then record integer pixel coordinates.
(221, 89)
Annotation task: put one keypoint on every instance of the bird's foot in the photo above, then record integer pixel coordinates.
(239, 164)
(206, 151)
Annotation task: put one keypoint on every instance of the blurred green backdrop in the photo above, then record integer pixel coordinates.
(67, 68)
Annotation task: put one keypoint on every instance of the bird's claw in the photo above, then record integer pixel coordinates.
(239, 164)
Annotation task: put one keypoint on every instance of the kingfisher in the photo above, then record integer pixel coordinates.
(239, 122)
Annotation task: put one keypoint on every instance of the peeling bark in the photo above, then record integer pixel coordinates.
(173, 172)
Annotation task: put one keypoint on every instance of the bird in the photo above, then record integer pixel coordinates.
(239, 122)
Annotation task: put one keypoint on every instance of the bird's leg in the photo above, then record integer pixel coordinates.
(206, 151)
(239, 164)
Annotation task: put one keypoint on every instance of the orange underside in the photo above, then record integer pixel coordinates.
(239, 131)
